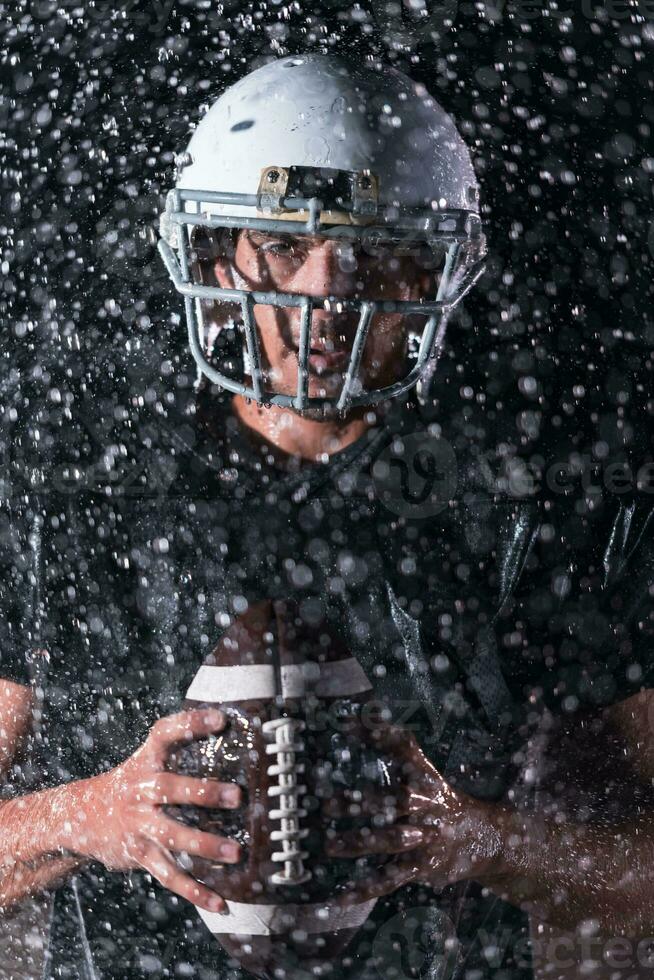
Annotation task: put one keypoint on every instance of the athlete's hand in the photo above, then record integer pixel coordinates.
(422, 829)
(119, 818)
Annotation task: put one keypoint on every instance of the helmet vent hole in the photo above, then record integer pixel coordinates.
(294, 63)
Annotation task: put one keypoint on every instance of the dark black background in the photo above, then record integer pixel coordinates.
(553, 351)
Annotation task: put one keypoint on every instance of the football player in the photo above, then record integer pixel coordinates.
(324, 224)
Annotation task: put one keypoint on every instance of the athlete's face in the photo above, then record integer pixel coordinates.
(327, 267)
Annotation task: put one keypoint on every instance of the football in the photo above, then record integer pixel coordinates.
(297, 735)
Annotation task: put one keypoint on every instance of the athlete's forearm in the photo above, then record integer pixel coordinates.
(22, 880)
(36, 837)
(569, 872)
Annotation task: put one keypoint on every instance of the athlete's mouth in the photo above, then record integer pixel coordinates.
(322, 361)
(330, 351)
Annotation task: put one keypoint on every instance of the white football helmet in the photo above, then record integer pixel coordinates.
(313, 145)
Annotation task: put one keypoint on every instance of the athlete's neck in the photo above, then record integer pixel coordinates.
(298, 436)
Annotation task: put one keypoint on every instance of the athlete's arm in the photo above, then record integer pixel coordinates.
(564, 865)
(573, 866)
(17, 878)
(115, 818)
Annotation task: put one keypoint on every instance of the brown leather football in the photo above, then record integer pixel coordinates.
(300, 726)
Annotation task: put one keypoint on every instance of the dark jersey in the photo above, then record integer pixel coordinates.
(472, 609)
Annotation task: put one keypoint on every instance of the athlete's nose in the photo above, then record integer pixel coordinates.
(328, 271)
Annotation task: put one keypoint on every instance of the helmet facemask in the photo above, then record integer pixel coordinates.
(224, 336)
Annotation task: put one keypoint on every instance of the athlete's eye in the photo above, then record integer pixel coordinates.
(281, 248)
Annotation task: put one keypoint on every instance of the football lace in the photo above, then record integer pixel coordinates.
(285, 746)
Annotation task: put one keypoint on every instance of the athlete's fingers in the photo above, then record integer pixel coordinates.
(168, 787)
(185, 726)
(160, 864)
(390, 840)
(175, 836)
